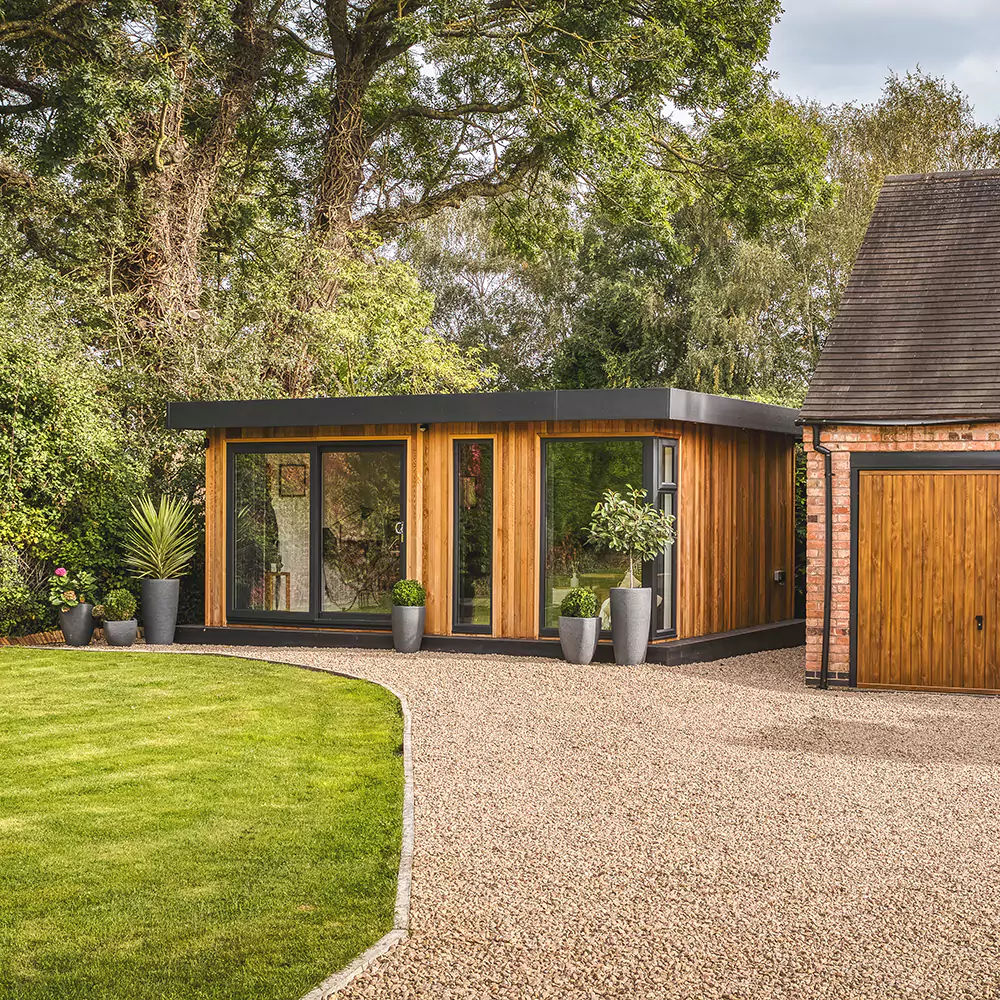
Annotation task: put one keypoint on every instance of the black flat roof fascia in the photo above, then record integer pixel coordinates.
(487, 407)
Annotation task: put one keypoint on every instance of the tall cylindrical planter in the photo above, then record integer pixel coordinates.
(121, 633)
(159, 610)
(77, 624)
(578, 638)
(631, 608)
(408, 627)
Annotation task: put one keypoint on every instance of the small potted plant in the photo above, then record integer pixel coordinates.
(579, 625)
(408, 614)
(629, 524)
(159, 545)
(118, 615)
(70, 593)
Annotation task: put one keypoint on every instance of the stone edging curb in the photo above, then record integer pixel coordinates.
(401, 920)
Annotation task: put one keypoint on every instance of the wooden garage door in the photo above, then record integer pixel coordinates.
(928, 578)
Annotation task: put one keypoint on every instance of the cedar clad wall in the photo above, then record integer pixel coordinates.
(735, 526)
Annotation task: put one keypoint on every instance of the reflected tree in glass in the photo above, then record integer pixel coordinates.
(474, 530)
(362, 540)
(271, 531)
(577, 473)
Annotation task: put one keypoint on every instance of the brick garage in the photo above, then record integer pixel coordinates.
(906, 400)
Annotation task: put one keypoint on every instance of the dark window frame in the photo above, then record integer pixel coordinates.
(315, 450)
(462, 628)
(665, 488)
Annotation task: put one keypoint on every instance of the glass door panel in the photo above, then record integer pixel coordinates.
(362, 529)
(270, 531)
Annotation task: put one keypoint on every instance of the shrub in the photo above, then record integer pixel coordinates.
(23, 612)
(630, 524)
(160, 541)
(118, 606)
(409, 594)
(67, 590)
(579, 603)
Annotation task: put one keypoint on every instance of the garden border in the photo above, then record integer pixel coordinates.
(401, 919)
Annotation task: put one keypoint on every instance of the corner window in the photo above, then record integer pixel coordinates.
(576, 474)
(665, 475)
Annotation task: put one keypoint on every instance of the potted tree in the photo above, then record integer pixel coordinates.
(69, 592)
(408, 614)
(118, 615)
(159, 544)
(579, 625)
(629, 524)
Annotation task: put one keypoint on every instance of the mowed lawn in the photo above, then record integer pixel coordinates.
(176, 826)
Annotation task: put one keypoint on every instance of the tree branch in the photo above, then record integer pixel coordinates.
(322, 53)
(478, 187)
(457, 113)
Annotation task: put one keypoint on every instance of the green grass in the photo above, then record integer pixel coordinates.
(190, 826)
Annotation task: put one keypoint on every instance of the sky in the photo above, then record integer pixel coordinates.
(842, 50)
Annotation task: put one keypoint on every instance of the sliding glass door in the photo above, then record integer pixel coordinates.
(315, 532)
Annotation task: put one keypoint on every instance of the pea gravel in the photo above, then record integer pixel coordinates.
(716, 832)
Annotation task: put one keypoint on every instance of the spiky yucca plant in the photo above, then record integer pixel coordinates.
(160, 540)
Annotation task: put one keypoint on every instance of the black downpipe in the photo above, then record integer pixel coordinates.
(824, 669)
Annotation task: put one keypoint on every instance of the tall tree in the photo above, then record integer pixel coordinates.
(133, 128)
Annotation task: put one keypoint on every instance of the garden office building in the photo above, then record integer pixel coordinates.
(315, 507)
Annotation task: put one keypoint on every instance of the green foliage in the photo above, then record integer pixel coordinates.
(67, 590)
(627, 523)
(118, 606)
(409, 594)
(160, 540)
(66, 476)
(379, 338)
(23, 612)
(580, 602)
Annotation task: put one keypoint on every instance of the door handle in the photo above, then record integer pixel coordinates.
(979, 623)
(399, 531)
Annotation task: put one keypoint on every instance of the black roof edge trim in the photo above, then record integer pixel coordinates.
(655, 403)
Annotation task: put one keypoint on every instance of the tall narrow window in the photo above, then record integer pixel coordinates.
(473, 602)
(666, 563)
(270, 510)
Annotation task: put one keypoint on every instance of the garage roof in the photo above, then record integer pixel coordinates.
(488, 407)
(917, 336)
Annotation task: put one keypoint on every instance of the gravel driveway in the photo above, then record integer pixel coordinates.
(714, 831)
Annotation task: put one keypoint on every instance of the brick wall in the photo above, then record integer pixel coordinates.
(842, 440)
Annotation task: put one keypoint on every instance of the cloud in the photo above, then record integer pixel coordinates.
(840, 50)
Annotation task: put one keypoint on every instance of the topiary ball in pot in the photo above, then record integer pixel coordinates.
(579, 625)
(408, 615)
(118, 612)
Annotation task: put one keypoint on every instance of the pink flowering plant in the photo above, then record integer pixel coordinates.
(67, 590)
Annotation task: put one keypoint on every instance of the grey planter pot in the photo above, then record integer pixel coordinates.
(77, 624)
(159, 610)
(121, 633)
(578, 638)
(408, 628)
(631, 608)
